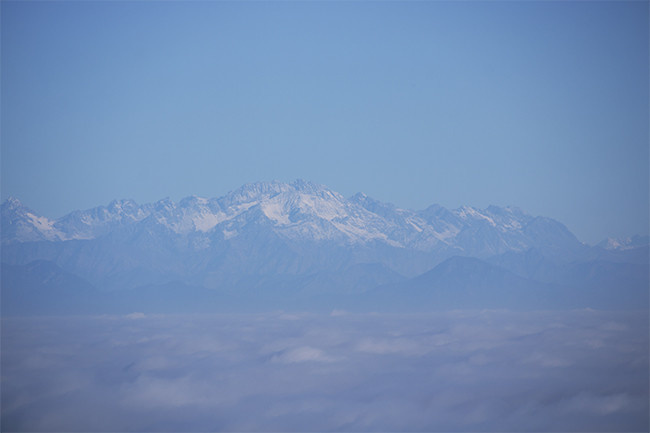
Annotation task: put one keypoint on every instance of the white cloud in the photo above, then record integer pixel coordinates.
(302, 354)
(596, 404)
(467, 371)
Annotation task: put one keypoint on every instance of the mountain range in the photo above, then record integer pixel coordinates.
(275, 244)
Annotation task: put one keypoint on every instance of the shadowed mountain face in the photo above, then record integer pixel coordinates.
(274, 241)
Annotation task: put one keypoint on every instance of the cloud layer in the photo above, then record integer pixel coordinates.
(457, 371)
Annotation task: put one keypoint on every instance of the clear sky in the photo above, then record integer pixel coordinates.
(541, 105)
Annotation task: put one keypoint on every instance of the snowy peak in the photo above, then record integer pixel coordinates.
(21, 224)
(98, 221)
(387, 210)
(622, 244)
(468, 213)
(285, 203)
(299, 211)
(122, 207)
(258, 191)
(12, 204)
(254, 192)
(306, 211)
(193, 201)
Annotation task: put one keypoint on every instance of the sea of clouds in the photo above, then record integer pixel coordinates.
(457, 371)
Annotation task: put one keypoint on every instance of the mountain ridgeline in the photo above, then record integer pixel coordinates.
(300, 245)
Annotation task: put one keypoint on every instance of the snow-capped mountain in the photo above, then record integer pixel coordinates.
(301, 239)
(299, 211)
(21, 224)
(625, 243)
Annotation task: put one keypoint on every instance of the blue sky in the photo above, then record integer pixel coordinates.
(541, 105)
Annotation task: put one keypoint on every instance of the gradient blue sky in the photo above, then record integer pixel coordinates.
(541, 105)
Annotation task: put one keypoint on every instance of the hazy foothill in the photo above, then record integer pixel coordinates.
(275, 245)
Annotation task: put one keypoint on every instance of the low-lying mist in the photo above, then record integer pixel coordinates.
(580, 370)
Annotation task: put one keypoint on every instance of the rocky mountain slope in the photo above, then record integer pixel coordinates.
(302, 237)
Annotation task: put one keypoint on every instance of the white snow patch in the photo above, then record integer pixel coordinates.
(78, 237)
(274, 210)
(44, 226)
(206, 221)
(448, 233)
(229, 234)
(512, 225)
(41, 223)
(466, 212)
(322, 208)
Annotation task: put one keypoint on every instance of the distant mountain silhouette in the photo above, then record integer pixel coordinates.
(279, 241)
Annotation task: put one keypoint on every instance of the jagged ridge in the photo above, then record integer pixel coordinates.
(298, 211)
